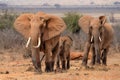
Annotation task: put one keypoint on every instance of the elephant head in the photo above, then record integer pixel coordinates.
(94, 27)
(96, 31)
(39, 27)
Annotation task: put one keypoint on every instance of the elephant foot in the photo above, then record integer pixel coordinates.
(104, 64)
(98, 64)
(37, 66)
(38, 71)
(52, 63)
(63, 65)
(84, 67)
(68, 66)
(84, 64)
(92, 64)
(58, 65)
(48, 67)
(59, 70)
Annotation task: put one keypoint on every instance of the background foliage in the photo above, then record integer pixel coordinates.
(71, 20)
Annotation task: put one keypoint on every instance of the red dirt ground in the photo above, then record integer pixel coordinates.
(14, 67)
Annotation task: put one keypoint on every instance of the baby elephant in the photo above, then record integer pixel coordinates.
(65, 44)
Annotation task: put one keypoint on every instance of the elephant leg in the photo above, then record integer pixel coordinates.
(64, 64)
(48, 59)
(104, 57)
(58, 61)
(93, 56)
(48, 64)
(55, 54)
(36, 60)
(63, 61)
(68, 61)
(86, 51)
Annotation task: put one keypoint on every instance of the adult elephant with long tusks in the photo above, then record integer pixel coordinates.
(43, 32)
(99, 37)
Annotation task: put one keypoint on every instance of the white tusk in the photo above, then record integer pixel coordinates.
(39, 42)
(100, 39)
(91, 39)
(28, 42)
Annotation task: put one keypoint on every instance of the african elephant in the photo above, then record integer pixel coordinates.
(65, 44)
(43, 32)
(99, 37)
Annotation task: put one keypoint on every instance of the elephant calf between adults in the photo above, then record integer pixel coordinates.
(65, 44)
(43, 32)
(99, 37)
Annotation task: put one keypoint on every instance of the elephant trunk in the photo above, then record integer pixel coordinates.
(35, 38)
(97, 48)
(39, 43)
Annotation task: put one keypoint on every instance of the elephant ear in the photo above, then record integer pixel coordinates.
(84, 23)
(103, 20)
(54, 26)
(22, 24)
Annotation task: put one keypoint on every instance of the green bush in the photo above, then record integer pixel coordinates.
(71, 20)
(6, 21)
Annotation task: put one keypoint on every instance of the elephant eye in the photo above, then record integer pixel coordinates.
(100, 33)
(40, 27)
(91, 27)
(99, 28)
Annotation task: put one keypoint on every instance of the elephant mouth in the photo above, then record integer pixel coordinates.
(93, 37)
(38, 45)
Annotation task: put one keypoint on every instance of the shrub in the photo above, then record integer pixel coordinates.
(71, 20)
(116, 41)
(10, 39)
(6, 21)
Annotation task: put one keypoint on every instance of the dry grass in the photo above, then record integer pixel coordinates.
(11, 40)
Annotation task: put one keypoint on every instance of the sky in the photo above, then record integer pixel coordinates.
(61, 2)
